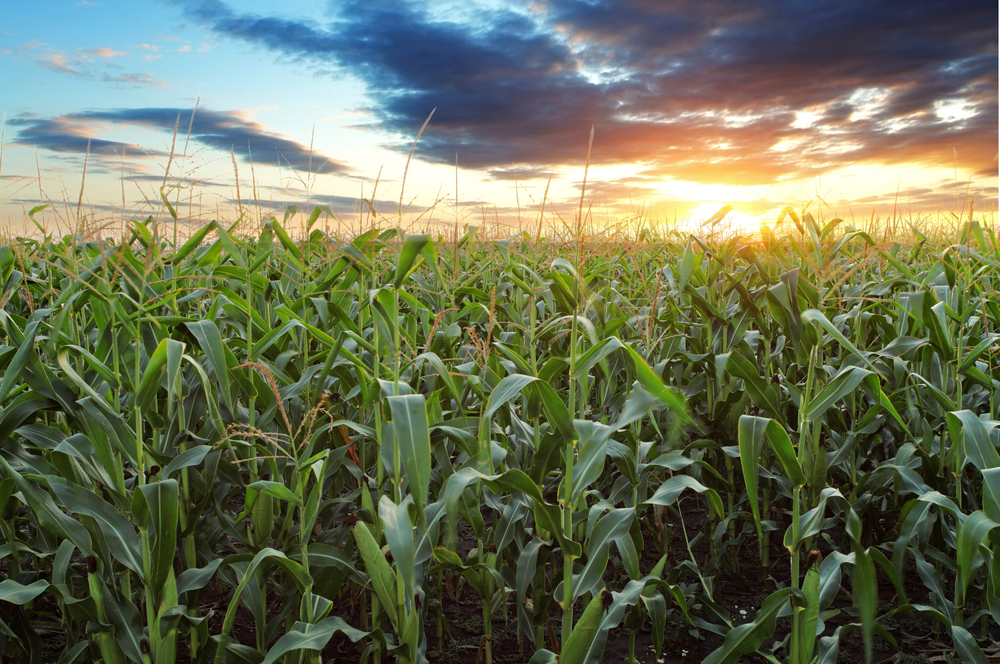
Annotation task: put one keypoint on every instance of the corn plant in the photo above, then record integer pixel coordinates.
(246, 449)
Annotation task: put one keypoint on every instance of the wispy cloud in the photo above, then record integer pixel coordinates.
(224, 130)
(106, 52)
(59, 62)
(137, 79)
(92, 63)
(703, 90)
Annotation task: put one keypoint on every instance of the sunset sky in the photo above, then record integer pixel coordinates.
(859, 104)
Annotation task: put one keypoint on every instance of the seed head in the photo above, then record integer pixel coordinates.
(814, 558)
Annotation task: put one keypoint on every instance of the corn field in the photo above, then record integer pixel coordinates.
(255, 450)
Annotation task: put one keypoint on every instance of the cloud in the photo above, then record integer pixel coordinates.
(514, 174)
(68, 134)
(105, 52)
(222, 130)
(136, 79)
(663, 83)
(89, 63)
(58, 62)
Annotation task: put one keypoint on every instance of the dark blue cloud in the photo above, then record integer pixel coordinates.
(223, 130)
(663, 81)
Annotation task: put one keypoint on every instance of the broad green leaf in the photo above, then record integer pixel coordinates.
(155, 506)
(277, 490)
(611, 526)
(118, 532)
(48, 514)
(25, 354)
(745, 639)
(754, 432)
(969, 432)
(575, 649)
(193, 242)
(865, 590)
(383, 579)
(817, 317)
(966, 647)
(315, 637)
(398, 528)
(760, 392)
(15, 593)
(970, 536)
(412, 437)
(210, 340)
(844, 383)
(187, 459)
(670, 490)
(297, 573)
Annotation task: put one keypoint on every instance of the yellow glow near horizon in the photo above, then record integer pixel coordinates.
(735, 221)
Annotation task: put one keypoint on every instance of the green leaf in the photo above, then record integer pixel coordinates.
(153, 374)
(15, 593)
(670, 490)
(187, 459)
(412, 248)
(841, 385)
(753, 433)
(966, 647)
(193, 242)
(650, 382)
(198, 577)
(991, 493)
(25, 354)
(118, 532)
(970, 434)
(285, 241)
(295, 571)
(745, 639)
(48, 514)
(383, 579)
(398, 528)
(817, 317)
(864, 587)
(101, 402)
(210, 340)
(315, 637)
(413, 438)
(277, 490)
(155, 506)
(760, 392)
(575, 649)
(506, 389)
(970, 537)
(591, 452)
(809, 617)
(611, 526)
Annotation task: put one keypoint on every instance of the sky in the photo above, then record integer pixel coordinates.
(851, 107)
